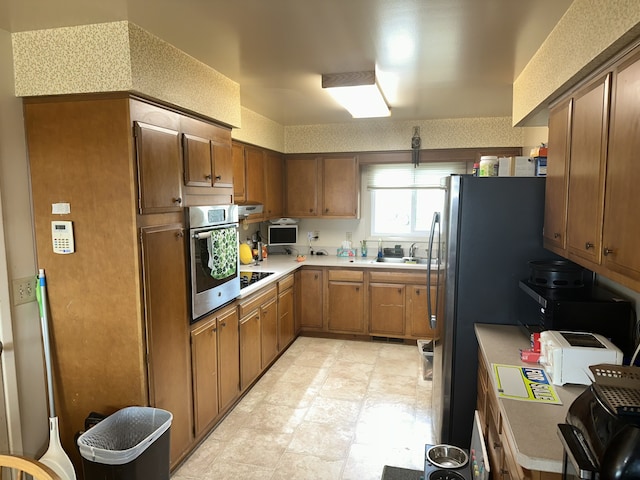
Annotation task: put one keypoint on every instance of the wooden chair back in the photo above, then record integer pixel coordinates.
(22, 465)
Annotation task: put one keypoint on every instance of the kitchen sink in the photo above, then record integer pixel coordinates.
(409, 260)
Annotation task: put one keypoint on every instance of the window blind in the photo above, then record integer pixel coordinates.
(407, 176)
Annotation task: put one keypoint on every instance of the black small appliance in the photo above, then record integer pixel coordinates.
(601, 436)
(587, 308)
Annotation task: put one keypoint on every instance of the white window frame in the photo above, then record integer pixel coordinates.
(406, 177)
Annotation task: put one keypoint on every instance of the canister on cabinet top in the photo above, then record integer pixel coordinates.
(488, 166)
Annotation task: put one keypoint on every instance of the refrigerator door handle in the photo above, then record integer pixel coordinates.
(433, 322)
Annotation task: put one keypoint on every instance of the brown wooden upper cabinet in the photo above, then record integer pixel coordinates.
(555, 206)
(274, 185)
(248, 180)
(207, 155)
(239, 172)
(159, 168)
(621, 219)
(589, 131)
(602, 188)
(327, 186)
(258, 177)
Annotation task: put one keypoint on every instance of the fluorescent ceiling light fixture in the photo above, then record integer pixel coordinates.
(358, 92)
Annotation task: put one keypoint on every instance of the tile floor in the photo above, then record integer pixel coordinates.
(327, 409)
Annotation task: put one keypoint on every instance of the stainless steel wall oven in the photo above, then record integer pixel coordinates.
(213, 252)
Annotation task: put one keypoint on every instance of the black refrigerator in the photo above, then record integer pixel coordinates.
(491, 227)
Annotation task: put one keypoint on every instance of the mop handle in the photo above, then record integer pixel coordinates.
(44, 320)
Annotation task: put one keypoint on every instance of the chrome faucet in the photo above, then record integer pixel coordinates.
(412, 249)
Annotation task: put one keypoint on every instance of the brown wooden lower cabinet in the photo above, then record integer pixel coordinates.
(310, 288)
(286, 315)
(502, 458)
(215, 363)
(168, 330)
(258, 333)
(268, 332)
(387, 307)
(345, 301)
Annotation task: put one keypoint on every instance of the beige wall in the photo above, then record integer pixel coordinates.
(120, 56)
(387, 134)
(20, 325)
(590, 32)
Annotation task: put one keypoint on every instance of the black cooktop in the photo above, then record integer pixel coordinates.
(249, 278)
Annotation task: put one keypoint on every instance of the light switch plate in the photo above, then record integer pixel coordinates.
(24, 290)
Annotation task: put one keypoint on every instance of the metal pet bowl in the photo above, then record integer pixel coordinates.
(447, 456)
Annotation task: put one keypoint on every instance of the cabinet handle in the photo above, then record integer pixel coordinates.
(556, 235)
(311, 210)
(214, 330)
(588, 245)
(177, 200)
(207, 177)
(497, 444)
(218, 177)
(179, 234)
(224, 324)
(608, 251)
(357, 289)
(326, 210)
(399, 290)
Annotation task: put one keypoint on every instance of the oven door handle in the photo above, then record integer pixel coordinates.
(201, 235)
(577, 452)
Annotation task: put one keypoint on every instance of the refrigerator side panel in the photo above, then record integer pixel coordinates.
(499, 231)
(444, 348)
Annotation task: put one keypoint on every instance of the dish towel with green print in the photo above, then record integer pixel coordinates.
(223, 253)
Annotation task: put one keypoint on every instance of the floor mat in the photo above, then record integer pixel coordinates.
(397, 473)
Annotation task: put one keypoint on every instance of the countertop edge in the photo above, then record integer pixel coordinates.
(281, 265)
(515, 339)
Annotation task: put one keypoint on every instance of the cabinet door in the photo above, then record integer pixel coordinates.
(556, 190)
(286, 320)
(197, 161)
(418, 324)
(387, 307)
(274, 178)
(239, 173)
(204, 358)
(254, 159)
(310, 289)
(222, 164)
(587, 169)
(166, 315)
(340, 187)
(228, 358)
(621, 220)
(250, 357)
(269, 331)
(346, 307)
(301, 184)
(159, 168)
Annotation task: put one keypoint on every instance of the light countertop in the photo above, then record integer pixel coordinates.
(531, 426)
(282, 265)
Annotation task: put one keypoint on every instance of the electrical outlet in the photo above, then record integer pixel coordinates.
(24, 290)
(310, 236)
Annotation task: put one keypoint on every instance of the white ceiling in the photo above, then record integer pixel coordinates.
(448, 58)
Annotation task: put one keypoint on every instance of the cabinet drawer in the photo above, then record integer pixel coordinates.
(286, 282)
(255, 301)
(417, 278)
(346, 275)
